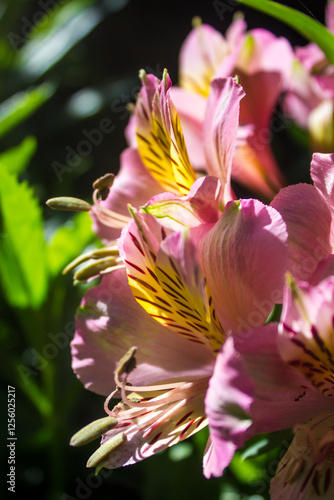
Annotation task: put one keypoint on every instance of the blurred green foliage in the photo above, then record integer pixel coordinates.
(66, 66)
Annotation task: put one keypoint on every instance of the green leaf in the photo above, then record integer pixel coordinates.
(23, 269)
(246, 471)
(255, 448)
(33, 391)
(21, 105)
(16, 159)
(68, 241)
(308, 27)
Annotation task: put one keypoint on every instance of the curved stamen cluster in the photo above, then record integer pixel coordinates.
(148, 419)
(95, 263)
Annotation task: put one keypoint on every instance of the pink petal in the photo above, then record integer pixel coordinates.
(322, 172)
(191, 110)
(262, 51)
(227, 404)
(200, 54)
(217, 457)
(160, 139)
(308, 219)
(130, 132)
(200, 206)
(166, 280)
(325, 84)
(244, 258)
(220, 130)
(324, 269)
(330, 15)
(277, 56)
(306, 335)
(282, 397)
(309, 55)
(255, 167)
(109, 322)
(257, 108)
(235, 33)
(301, 97)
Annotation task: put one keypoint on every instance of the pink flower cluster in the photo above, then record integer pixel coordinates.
(180, 328)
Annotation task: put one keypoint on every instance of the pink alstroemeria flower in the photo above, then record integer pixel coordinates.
(310, 97)
(160, 161)
(170, 308)
(261, 60)
(276, 377)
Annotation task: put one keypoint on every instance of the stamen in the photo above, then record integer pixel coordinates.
(94, 254)
(105, 271)
(69, 204)
(93, 431)
(162, 417)
(142, 75)
(126, 364)
(196, 21)
(294, 470)
(130, 107)
(95, 268)
(109, 217)
(105, 449)
(154, 388)
(103, 185)
(106, 403)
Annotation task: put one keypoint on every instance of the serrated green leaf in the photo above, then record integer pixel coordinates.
(20, 106)
(16, 159)
(23, 269)
(308, 27)
(68, 241)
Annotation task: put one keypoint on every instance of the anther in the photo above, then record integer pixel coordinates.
(196, 21)
(68, 203)
(94, 254)
(103, 185)
(94, 269)
(105, 449)
(127, 363)
(93, 431)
